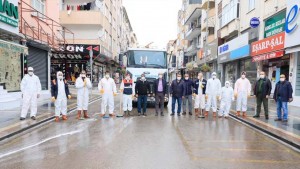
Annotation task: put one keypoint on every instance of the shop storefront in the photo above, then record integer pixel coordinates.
(292, 46)
(234, 57)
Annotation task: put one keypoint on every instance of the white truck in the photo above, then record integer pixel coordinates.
(149, 62)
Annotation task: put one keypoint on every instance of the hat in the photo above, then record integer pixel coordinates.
(214, 73)
(227, 82)
(30, 68)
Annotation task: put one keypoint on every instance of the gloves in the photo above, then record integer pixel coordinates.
(101, 91)
(206, 97)
(69, 96)
(219, 97)
(290, 99)
(84, 83)
(235, 94)
(202, 86)
(132, 96)
(194, 94)
(121, 90)
(53, 99)
(115, 94)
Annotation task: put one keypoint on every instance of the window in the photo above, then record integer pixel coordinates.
(229, 13)
(109, 18)
(110, 43)
(105, 35)
(106, 11)
(251, 4)
(39, 5)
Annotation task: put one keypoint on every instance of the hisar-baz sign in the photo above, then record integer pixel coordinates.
(9, 16)
(292, 24)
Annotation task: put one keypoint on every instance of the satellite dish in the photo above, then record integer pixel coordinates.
(100, 33)
(99, 3)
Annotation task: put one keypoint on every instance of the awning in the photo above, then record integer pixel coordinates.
(13, 47)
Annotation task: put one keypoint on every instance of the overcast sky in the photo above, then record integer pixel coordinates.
(153, 20)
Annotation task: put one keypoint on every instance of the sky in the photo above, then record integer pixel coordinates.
(153, 20)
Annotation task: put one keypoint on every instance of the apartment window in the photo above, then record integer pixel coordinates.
(105, 35)
(195, 1)
(109, 18)
(106, 11)
(114, 23)
(39, 5)
(251, 4)
(110, 43)
(229, 13)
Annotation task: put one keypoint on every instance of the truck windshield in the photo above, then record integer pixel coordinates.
(147, 59)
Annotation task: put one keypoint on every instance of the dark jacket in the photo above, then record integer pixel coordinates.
(54, 88)
(165, 86)
(283, 90)
(189, 87)
(196, 86)
(142, 87)
(266, 87)
(177, 89)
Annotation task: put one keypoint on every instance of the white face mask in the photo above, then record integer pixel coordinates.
(227, 85)
(107, 76)
(127, 78)
(60, 77)
(178, 78)
(83, 75)
(214, 76)
(160, 76)
(143, 78)
(186, 78)
(243, 76)
(30, 73)
(262, 76)
(282, 79)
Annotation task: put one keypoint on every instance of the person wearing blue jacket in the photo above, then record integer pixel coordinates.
(177, 92)
(282, 95)
(189, 85)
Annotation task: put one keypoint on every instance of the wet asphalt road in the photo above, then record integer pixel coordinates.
(145, 143)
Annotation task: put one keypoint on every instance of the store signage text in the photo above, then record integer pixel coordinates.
(267, 45)
(234, 44)
(224, 48)
(275, 24)
(9, 13)
(267, 56)
(83, 49)
(65, 56)
(292, 15)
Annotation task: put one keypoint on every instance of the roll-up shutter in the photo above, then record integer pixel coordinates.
(38, 59)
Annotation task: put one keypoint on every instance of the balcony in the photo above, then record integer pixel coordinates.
(191, 50)
(193, 33)
(81, 18)
(209, 23)
(208, 4)
(193, 13)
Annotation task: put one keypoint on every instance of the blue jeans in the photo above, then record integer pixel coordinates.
(282, 106)
(142, 99)
(179, 101)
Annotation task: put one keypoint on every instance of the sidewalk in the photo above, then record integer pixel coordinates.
(10, 119)
(288, 132)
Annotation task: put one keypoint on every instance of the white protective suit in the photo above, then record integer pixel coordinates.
(109, 88)
(213, 90)
(83, 92)
(127, 99)
(242, 89)
(61, 100)
(226, 99)
(31, 88)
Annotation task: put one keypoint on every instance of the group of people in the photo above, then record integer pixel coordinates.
(206, 94)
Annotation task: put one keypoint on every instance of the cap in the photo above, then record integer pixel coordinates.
(214, 73)
(30, 68)
(227, 82)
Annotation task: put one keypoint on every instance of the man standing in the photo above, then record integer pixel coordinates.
(160, 90)
(242, 89)
(262, 91)
(31, 89)
(142, 89)
(199, 92)
(189, 85)
(177, 91)
(213, 90)
(60, 92)
(282, 95)
(127, 87)
(83, 84)
(107, 88)
(226, 99)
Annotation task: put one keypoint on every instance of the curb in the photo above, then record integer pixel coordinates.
(39, 123)
(288, 142)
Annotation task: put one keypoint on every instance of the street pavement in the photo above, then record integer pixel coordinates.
(145, 142)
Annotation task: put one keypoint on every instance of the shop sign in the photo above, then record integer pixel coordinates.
(275, 24)
(80, 48)
(13, 47)
(292, 30)
(254, 22)
(268, 45)
(267, 56)
(234, 44)
(106, 52)
(9, 16)
(66, 56)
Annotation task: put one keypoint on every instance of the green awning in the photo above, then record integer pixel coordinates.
(13, 47)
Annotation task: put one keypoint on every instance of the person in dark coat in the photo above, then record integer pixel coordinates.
(189, 87)
(262, 91)
(160, 91)
(282, 95)
(177, 91)
(199, 93)
(142, 89)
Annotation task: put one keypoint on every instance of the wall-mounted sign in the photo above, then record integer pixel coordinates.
(267, 56)
(292, 30)
(9, 16)
(80, 49)
(234, 44)
(275, 24)
(267, 45)
(254, 22)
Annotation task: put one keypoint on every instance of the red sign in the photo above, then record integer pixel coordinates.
(267, 45)
(267, 56)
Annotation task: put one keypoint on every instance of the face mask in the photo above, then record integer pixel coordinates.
(186, 78)
(83, 75)
(243, 76)
(227, 85)
(107, 76)
(143, 78)
(262, 76)
(282, 79)
(178, 78)
(60, 77)
(127, 78)
(214, 76)
(160, 76)
(30, 73)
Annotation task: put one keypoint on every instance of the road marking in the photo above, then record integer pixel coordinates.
(41, 142)
(246, 160)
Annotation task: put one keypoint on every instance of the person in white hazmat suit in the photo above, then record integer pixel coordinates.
(107, 88)
(226, 98)
(31, 89)
(60, 93)
(82, 84)
(213, 89)
(242, 89)
(128, 89)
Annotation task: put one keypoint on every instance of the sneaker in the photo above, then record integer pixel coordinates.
(277, 119)
(190, 113)
(256, 116)
(112, 115)
(162, 114)
(267, 117)
(22, 118)
(285, 120)
(184, 113)
(226, 117)
(178, 114)
(145, 114)
(172, 114)
(33, 118)
(156, 114)
(139, 114)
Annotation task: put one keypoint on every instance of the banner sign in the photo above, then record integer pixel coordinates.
(267, 45)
